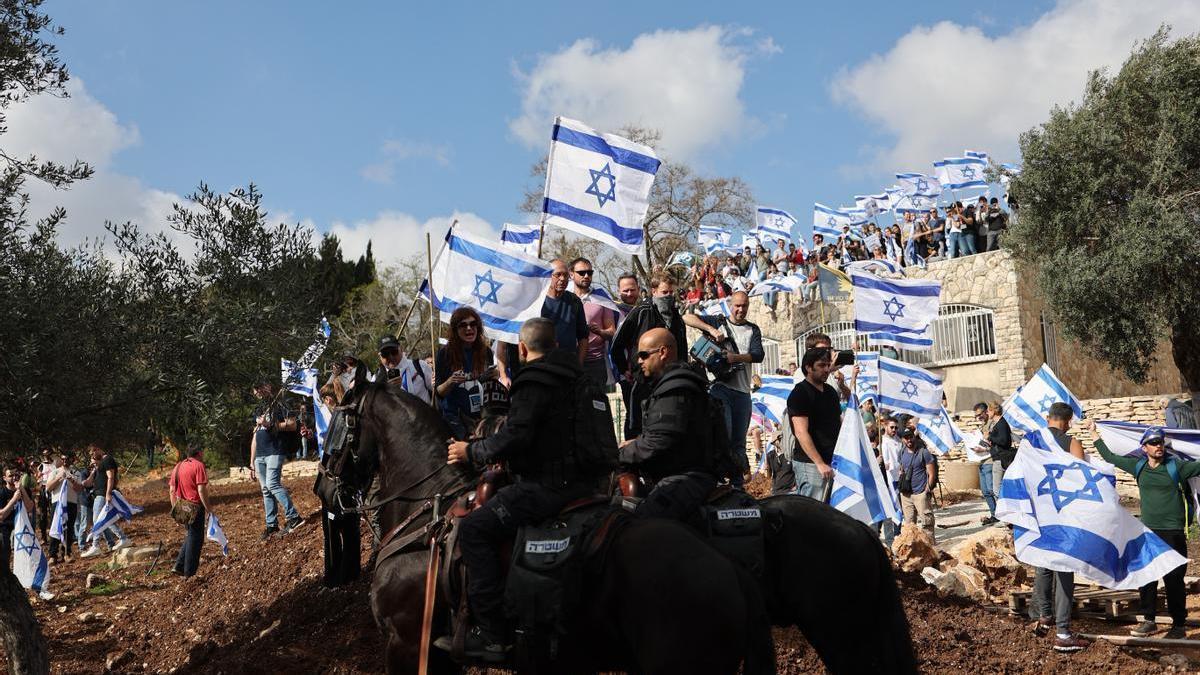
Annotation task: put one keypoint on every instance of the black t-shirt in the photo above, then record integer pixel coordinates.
(570, 324)
(824, 412)
(100, 485)
(7, 524)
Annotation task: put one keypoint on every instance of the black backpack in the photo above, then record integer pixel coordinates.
(594, 445)
(714, 436)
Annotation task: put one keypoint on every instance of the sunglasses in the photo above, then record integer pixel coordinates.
(468, 324)
(584, 273)
(1154, 441)
(643, 355)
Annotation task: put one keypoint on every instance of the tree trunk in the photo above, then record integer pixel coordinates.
(19, 630)
(1185, 349)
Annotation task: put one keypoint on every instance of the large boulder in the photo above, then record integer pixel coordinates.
(914, 550)
(136, 554)
(990, 551)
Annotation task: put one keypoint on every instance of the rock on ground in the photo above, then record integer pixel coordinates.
(914, 549)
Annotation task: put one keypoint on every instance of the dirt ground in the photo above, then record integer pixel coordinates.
(263, 610)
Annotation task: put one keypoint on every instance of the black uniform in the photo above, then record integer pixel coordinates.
(675, 448)
(532, 441)
(643, 317)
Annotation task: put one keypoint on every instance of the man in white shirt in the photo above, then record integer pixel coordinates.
(415, 377)
(890, 448)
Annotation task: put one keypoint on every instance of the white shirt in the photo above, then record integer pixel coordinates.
(416, 378)
(891, 448)
(60, 474)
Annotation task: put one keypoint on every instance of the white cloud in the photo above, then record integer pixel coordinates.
(947, 87)
(80, 127)
(686, 84)
(396, 236)
(395, 151)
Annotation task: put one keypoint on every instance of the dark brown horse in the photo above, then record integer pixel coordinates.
(664, 601)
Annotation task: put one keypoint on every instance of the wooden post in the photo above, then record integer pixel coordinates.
(407, 316)
(433, 313)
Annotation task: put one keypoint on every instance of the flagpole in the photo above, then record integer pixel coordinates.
(433, 313)
(407, 316)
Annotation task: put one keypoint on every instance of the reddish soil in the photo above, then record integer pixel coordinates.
(263, 610)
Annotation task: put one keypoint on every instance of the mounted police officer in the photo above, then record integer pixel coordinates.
(546, 477)
(675, 448)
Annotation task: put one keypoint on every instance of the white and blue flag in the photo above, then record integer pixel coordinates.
(29, 561)
(714, 243)
(1125, 438)
(1027, 407)
(859, 487)
(919, 184)
(940, 432)
(752, 272)
(1067, 517)
(750, 241)
(957, 173)
(505, 287)
(906, 388)
(598, 185)
(873, 266)
(117, 509)
(58, 524)
(873, 204)
(829, 222)
(721, 308)
(215, 534)
(302, 381)
(867, 384)
(914, 204)
(858, 216)
(782, 284)
(895, 312)
(523, 238)
(309, 358)
(976, 154)
(771, 398)
(774, 223)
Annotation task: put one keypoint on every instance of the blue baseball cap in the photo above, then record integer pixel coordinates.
(1154, 434)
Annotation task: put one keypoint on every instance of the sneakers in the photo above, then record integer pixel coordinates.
(91, 552)
(1043, 626)
(291, 525)
(990, 520)
(1144, 629)
(124, 543)
(269, 532)
(1176, 633)
(1070, 643)
(479, 645)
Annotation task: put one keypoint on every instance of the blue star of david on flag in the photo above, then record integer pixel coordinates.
(832, 222)
(493, 285)
(1055, 472)
(26, 542)
(922, 185)
(893, 308)
(1045, 403)
(937, 422)
(908, 389)
(968, 172)
(609, 195)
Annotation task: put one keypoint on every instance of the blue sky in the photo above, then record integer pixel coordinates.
(383, 121)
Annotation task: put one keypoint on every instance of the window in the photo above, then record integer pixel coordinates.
(961, 334)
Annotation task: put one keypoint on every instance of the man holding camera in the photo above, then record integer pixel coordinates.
(415, 377)
(742, 341)
(267, 455)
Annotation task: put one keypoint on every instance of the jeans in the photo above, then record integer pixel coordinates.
(886, 529)
(809, 482)
(486, 529)
(269, 469)
(993, 241)
(188, 560)
(953, 244)
(967, 242)
(1173, 581)
(1053, 591)
(737, 420)
(113, 532)
(985, 486)
(83, 523)
(68, 532)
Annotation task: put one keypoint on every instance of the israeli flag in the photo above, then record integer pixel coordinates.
(873, 204)
(940, 432)
(919, 184)
(1027, 407)
(914, 204)
(976, 154)
(782, 284)
(713, 244)
(523, 238)
(710, 230)
(774, 223)
(215, 534)
(895, 312)
(298, 381)
(957, 173)
(1067, 517)
(873, 266)
(600, 296)
(58, 524)
(117, 509)
(867, 384)
(721, 308)
(504, 287)
(771, 398)
(752, 271)
(314, 351)
(828, 222)
(858, 217)
(598, 185)
(859, 488)
(29, 561)
(750, 241)
(893, 194)
(908, 389)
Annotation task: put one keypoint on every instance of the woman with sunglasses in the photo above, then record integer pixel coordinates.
(459, 365)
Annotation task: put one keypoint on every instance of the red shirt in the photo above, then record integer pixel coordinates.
(187, 477)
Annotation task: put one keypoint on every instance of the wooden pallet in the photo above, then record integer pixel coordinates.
(1091, 599)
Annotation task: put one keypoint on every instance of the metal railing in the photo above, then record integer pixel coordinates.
(771, 361)
(961, 334)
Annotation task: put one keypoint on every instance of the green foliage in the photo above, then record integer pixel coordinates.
(1109, 195)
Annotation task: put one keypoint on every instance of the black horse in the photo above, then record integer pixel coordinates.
(828, 575)
(664, 601)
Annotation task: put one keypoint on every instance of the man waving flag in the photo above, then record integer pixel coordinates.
(1067, 517)
(598, 185)
(859, 488)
